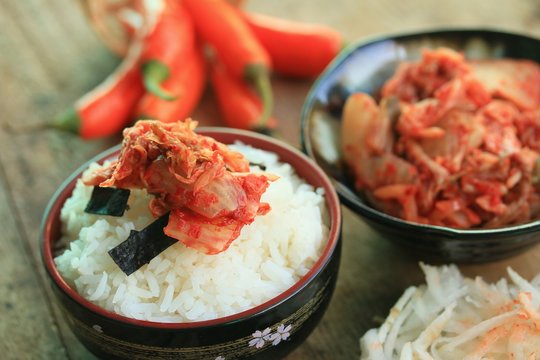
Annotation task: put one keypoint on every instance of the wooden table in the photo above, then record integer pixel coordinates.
(49, 56)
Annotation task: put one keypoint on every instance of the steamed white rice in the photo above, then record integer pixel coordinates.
(182, 284)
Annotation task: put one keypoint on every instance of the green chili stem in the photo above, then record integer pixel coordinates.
(259, 76)
(154, 74)
(69, 120)
(66, 121)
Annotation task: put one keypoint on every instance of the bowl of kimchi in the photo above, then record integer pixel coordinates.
(434, 139)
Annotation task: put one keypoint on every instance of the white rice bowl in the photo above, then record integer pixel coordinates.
(183, 284)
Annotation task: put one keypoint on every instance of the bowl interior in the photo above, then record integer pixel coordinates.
(304, 166)
(364, 67)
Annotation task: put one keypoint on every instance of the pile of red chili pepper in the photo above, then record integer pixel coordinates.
(177, 44)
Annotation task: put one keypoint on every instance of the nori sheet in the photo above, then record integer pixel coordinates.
(261, 166)
(107, 201)
(142, 246)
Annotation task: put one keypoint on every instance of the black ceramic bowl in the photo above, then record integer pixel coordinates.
(296, 311)
(365, 67)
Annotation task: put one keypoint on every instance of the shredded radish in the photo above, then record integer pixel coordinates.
(452, 317)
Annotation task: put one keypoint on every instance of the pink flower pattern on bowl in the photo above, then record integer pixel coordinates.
(260, 337)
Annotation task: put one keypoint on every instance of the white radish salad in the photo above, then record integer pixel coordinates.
(453, 317)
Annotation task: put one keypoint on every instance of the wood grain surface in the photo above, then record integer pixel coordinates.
(49, 56)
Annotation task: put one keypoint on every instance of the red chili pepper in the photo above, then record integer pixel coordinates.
(171, 39)
(188, 80)
(222, 26)
(240, 107)
(105, 110)
(296, 49)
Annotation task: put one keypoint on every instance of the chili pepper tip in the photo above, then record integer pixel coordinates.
(259, 76)
(154, 73)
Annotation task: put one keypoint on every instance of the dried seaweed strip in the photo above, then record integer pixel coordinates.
(108, 201)
(142, 246)
(261, 166)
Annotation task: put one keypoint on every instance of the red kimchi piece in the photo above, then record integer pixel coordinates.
(206, 187)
